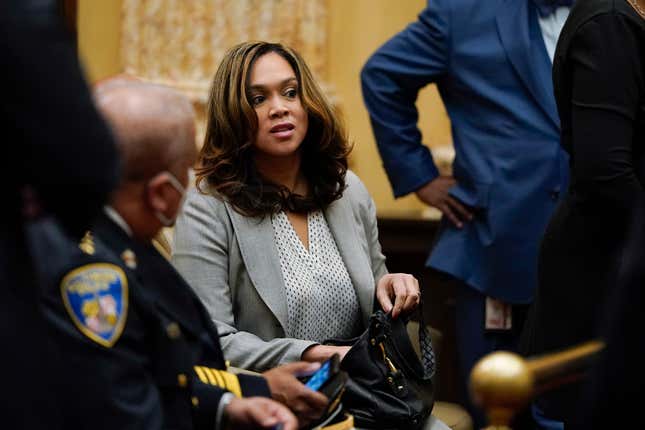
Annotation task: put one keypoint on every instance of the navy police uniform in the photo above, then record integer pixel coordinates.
(140, 349)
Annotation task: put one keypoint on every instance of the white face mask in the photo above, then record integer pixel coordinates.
(164, 220)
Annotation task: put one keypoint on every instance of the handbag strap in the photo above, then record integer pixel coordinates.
(428, 360)
(427, 351)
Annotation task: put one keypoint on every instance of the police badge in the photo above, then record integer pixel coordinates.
(96, 298)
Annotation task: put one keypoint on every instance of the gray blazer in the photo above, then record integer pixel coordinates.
(232, 263)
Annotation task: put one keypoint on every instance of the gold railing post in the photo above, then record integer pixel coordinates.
(503, 383)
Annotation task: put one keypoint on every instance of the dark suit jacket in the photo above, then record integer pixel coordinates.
(141, 351)
(617, 380)
(599, 79)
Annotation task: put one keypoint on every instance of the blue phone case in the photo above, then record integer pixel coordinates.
(320, 377)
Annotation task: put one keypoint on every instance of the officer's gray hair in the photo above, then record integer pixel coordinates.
(153, 125)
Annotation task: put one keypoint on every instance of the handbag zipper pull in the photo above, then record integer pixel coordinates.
(394, 378)
(387, 360)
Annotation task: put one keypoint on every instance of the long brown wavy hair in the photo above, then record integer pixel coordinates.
(225, 160)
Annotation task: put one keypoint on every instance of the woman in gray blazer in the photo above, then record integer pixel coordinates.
(278, 238)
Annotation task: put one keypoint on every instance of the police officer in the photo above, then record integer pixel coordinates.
(142, 351)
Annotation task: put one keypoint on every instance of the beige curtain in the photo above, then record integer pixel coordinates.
(181, 42)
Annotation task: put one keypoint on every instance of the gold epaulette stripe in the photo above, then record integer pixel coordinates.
(220, 381)
(201, 374)
(219, 378)
(211, 378)
(207, 376)
(232, 383)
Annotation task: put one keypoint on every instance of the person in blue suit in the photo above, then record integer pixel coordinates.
(491, 61)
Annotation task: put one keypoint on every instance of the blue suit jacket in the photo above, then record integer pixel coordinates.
(492, 70)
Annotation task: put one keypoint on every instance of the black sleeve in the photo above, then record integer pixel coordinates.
(240, 384)
(607, 82)
(211, 383)
(63, 147)
(102, 386)
(617, 377)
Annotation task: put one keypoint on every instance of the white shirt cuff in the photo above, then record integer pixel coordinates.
(223, 402)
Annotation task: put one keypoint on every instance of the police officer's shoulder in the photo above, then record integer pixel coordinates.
(94, 291)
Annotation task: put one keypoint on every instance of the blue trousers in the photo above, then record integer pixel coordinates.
(473, 341)
(544, 423)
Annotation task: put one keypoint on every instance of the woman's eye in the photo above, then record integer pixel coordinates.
(291, 93)
(256, 100)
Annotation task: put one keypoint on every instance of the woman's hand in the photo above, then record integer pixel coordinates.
(400, 287)
(323, 352)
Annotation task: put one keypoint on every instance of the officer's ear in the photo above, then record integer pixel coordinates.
(157, 193)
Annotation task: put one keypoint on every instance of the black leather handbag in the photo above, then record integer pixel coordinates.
(388, 386)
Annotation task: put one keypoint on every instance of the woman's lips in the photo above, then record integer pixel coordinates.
(283, 130)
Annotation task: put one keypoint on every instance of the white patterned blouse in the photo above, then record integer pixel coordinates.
(321, 300)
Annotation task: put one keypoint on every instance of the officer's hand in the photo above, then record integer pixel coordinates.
(259, 412)
(435, 193)
(307, 404)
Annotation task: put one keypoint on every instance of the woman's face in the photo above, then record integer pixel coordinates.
(275, 95)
